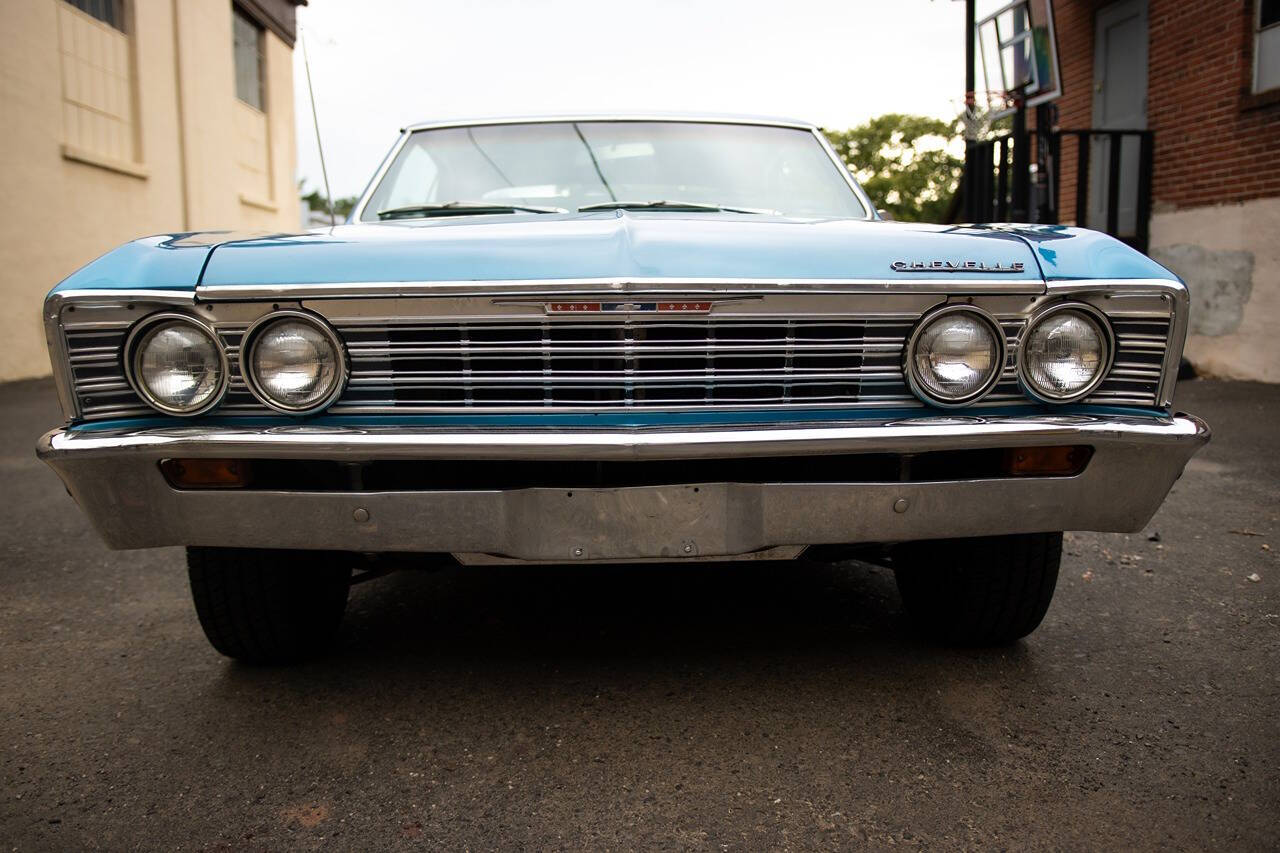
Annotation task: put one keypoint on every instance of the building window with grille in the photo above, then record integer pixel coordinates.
(247, 45)
(1266, 46)
(253, 152)
(110, 12)
(99, 114)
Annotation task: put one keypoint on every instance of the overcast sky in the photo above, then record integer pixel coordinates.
(379, 64)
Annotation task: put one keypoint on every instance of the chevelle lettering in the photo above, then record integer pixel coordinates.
(952, 266)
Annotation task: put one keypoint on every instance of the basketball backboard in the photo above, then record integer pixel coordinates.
(1017, 57)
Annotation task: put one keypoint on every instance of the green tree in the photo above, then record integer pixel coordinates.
(341, 206)
(906, 163)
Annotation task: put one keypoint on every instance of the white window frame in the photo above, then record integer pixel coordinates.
(1272, 34)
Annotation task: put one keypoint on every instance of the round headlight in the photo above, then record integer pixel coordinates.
(176, 365)
(1064, 354)
(955, 356)
(293, 363)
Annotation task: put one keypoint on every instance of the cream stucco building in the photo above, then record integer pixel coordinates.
(124, 118)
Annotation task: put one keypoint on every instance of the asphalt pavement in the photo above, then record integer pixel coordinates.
(715, 707)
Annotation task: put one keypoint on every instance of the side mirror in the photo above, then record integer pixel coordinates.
(885, 215)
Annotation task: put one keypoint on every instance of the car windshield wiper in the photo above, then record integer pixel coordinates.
(462, 208)
(673, 205)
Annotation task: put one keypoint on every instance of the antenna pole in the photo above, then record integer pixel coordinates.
(315, 119)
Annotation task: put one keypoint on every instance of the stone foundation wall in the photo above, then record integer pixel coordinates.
(1229, 255)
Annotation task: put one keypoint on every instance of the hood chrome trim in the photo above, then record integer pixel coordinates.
(619, 285)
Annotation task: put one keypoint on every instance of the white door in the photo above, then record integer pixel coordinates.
(1119, 103)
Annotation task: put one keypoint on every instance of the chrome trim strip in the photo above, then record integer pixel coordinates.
(1179, 323)
(584, 117)
(119, 296)
(59, 357)
(309, 441)
(734, 287)
(628, 285)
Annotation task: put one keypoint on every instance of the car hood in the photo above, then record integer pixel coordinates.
(616, 245)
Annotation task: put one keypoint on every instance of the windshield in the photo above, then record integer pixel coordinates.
(570, 165)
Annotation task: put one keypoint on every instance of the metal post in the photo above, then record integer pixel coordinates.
(969, 74)
(1146, 157)
(1114, 141)
(1047, 150)
(967, 181)
(987, 168)
(1002, 180)
(1083, 143)
(1021, 201)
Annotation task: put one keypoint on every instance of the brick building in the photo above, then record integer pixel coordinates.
(1204, 77)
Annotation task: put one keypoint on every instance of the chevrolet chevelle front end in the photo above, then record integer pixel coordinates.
(617, 340)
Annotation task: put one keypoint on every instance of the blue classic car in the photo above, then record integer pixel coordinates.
(616, 340)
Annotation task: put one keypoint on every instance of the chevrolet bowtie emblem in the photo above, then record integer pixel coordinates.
(955, 266)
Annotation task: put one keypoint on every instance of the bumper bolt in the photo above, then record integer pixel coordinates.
(578, 552)
(900, 505)
(361, 515)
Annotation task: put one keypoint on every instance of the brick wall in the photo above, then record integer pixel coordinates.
(1214, 141)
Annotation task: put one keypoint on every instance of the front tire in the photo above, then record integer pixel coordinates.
(268, 607)
(979, 592)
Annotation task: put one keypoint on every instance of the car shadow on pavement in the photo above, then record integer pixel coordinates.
(567, 697)
(636, 621)
(608, 611)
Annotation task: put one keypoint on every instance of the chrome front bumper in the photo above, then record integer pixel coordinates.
(115, 477)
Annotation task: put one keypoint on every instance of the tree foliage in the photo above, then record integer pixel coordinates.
(906, 163)
(341, 206)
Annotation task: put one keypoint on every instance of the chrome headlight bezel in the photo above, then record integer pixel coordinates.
(1107, 336)
(921, 390)
(254, 334)
(133, 354)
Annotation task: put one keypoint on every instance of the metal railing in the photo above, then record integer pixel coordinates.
(1113, 172)
(1117, 171)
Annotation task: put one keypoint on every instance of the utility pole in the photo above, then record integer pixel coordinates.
(967, 182)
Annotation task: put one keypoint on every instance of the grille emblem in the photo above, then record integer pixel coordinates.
(682, 307)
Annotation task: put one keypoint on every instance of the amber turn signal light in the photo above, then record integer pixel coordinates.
(206, 473)
(1062, 461)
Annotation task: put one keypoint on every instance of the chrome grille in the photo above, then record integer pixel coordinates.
(97, 371)
(524, 363)
(237, 397)
(1134, 379)
(615, 363)
(1007, 389)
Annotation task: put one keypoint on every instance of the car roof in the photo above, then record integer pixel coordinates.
(711, 118)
